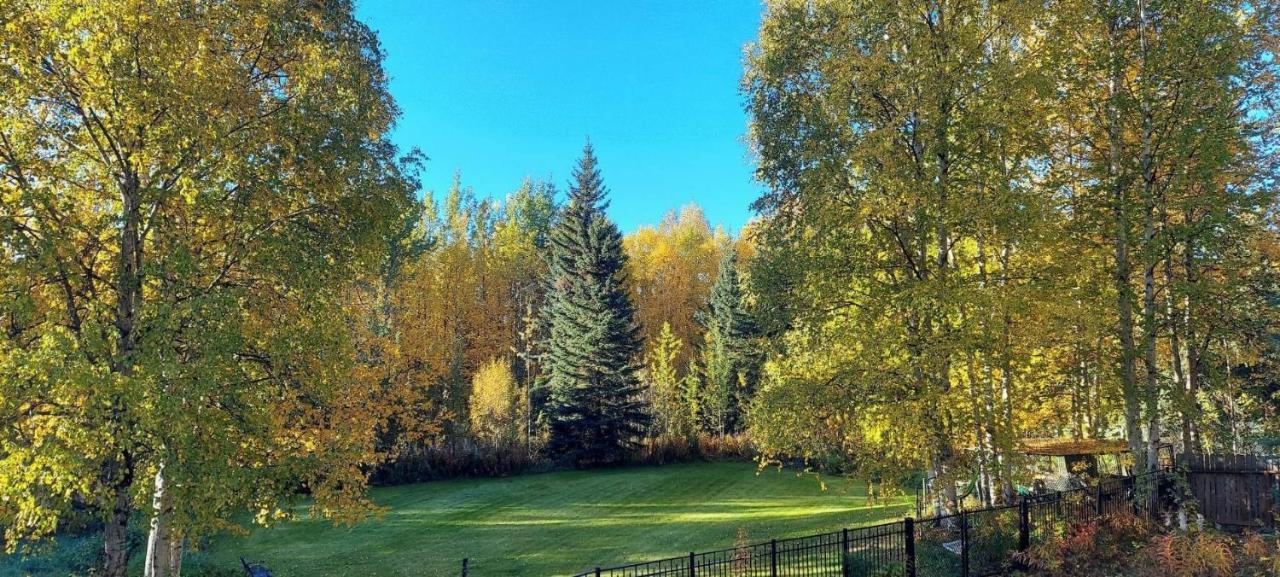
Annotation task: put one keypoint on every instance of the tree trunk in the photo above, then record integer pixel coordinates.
(1177, 351)
(114, 533)
(981, 435)
(944, 497)
(176, 550)
(1150, 333)
(1123, 268)
(1150, 330)
(119, 470)
(164, 543)
(1193, 349)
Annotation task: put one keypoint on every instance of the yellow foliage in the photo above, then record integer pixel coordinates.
(497, 407)
(671, 268)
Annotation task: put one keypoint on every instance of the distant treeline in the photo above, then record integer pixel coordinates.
(532, 331)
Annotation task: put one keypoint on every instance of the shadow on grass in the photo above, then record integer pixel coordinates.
(560, 523)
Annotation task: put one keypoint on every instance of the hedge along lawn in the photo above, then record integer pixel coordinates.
(560, 523)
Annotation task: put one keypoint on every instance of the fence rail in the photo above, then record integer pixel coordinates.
(974, 543)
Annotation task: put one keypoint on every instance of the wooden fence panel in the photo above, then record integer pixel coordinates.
(1234, 490)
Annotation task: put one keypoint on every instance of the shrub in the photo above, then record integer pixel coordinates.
(1258, 556)
(859, 564)
(1093, 548)
(993, 537)
(1199, 554)
(496, 458)
(1126, 544)
(726, 447)
(497, 406)
(463, 458)
(69, 554)
(78, 553)
(666, 449)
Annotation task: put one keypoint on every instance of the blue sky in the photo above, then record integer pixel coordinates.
(504, 90)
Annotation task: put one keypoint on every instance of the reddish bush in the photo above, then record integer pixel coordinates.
(667, 449)
(1094, 548)
(1128, 545)
(1200, 554)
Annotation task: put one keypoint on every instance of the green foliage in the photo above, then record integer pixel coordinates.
(1127, 545)
(892, 190)
(666, 389)
(992, 221)
(188, 196)
(729, 358)
(1097, 547)
(595, 410)
(865, 563)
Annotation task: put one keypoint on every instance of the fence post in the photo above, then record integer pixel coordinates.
(597, 572)
(964, 544)
(691, 567)
(844, 552)
(909, 538)
(773, 558)
(1024, 525)
(465, 562)
(1098, 505)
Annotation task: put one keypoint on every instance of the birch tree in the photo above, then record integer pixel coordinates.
(188, 190)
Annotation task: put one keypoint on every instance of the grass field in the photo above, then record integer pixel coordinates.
(559, 523)
(531, 525)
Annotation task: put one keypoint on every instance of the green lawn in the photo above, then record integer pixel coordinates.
(559, 523)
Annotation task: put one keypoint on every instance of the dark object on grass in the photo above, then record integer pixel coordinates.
(255, 569)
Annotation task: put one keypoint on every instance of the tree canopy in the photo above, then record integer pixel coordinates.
(189, 190)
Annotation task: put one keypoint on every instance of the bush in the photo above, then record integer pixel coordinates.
(481, 458)
(1093, 548)
(465, 458)
(1189, 555)
(726, 447)
(860, 565)
(65, 555)
(667, 449)
(70, 553)
(993, 538)
(1129, 545)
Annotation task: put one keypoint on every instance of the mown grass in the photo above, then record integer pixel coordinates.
(561, 523)
(555, 523)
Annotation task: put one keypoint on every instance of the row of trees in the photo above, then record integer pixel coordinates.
(985, 221)
(526, 322)
(220, 286)
(991, 221)
(221, 291)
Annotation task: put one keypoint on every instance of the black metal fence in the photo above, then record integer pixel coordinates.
(966, 544)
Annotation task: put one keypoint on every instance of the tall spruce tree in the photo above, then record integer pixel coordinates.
(595, 412)
(731, 340)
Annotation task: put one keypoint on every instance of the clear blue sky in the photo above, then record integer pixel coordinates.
(501, 90)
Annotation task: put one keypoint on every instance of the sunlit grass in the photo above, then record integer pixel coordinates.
(559, 523)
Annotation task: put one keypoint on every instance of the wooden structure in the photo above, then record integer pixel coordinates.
(1236, 491)
(1080, 456)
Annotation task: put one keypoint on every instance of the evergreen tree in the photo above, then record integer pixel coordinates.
(595, 411)
(718, 402)
(730, 358)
